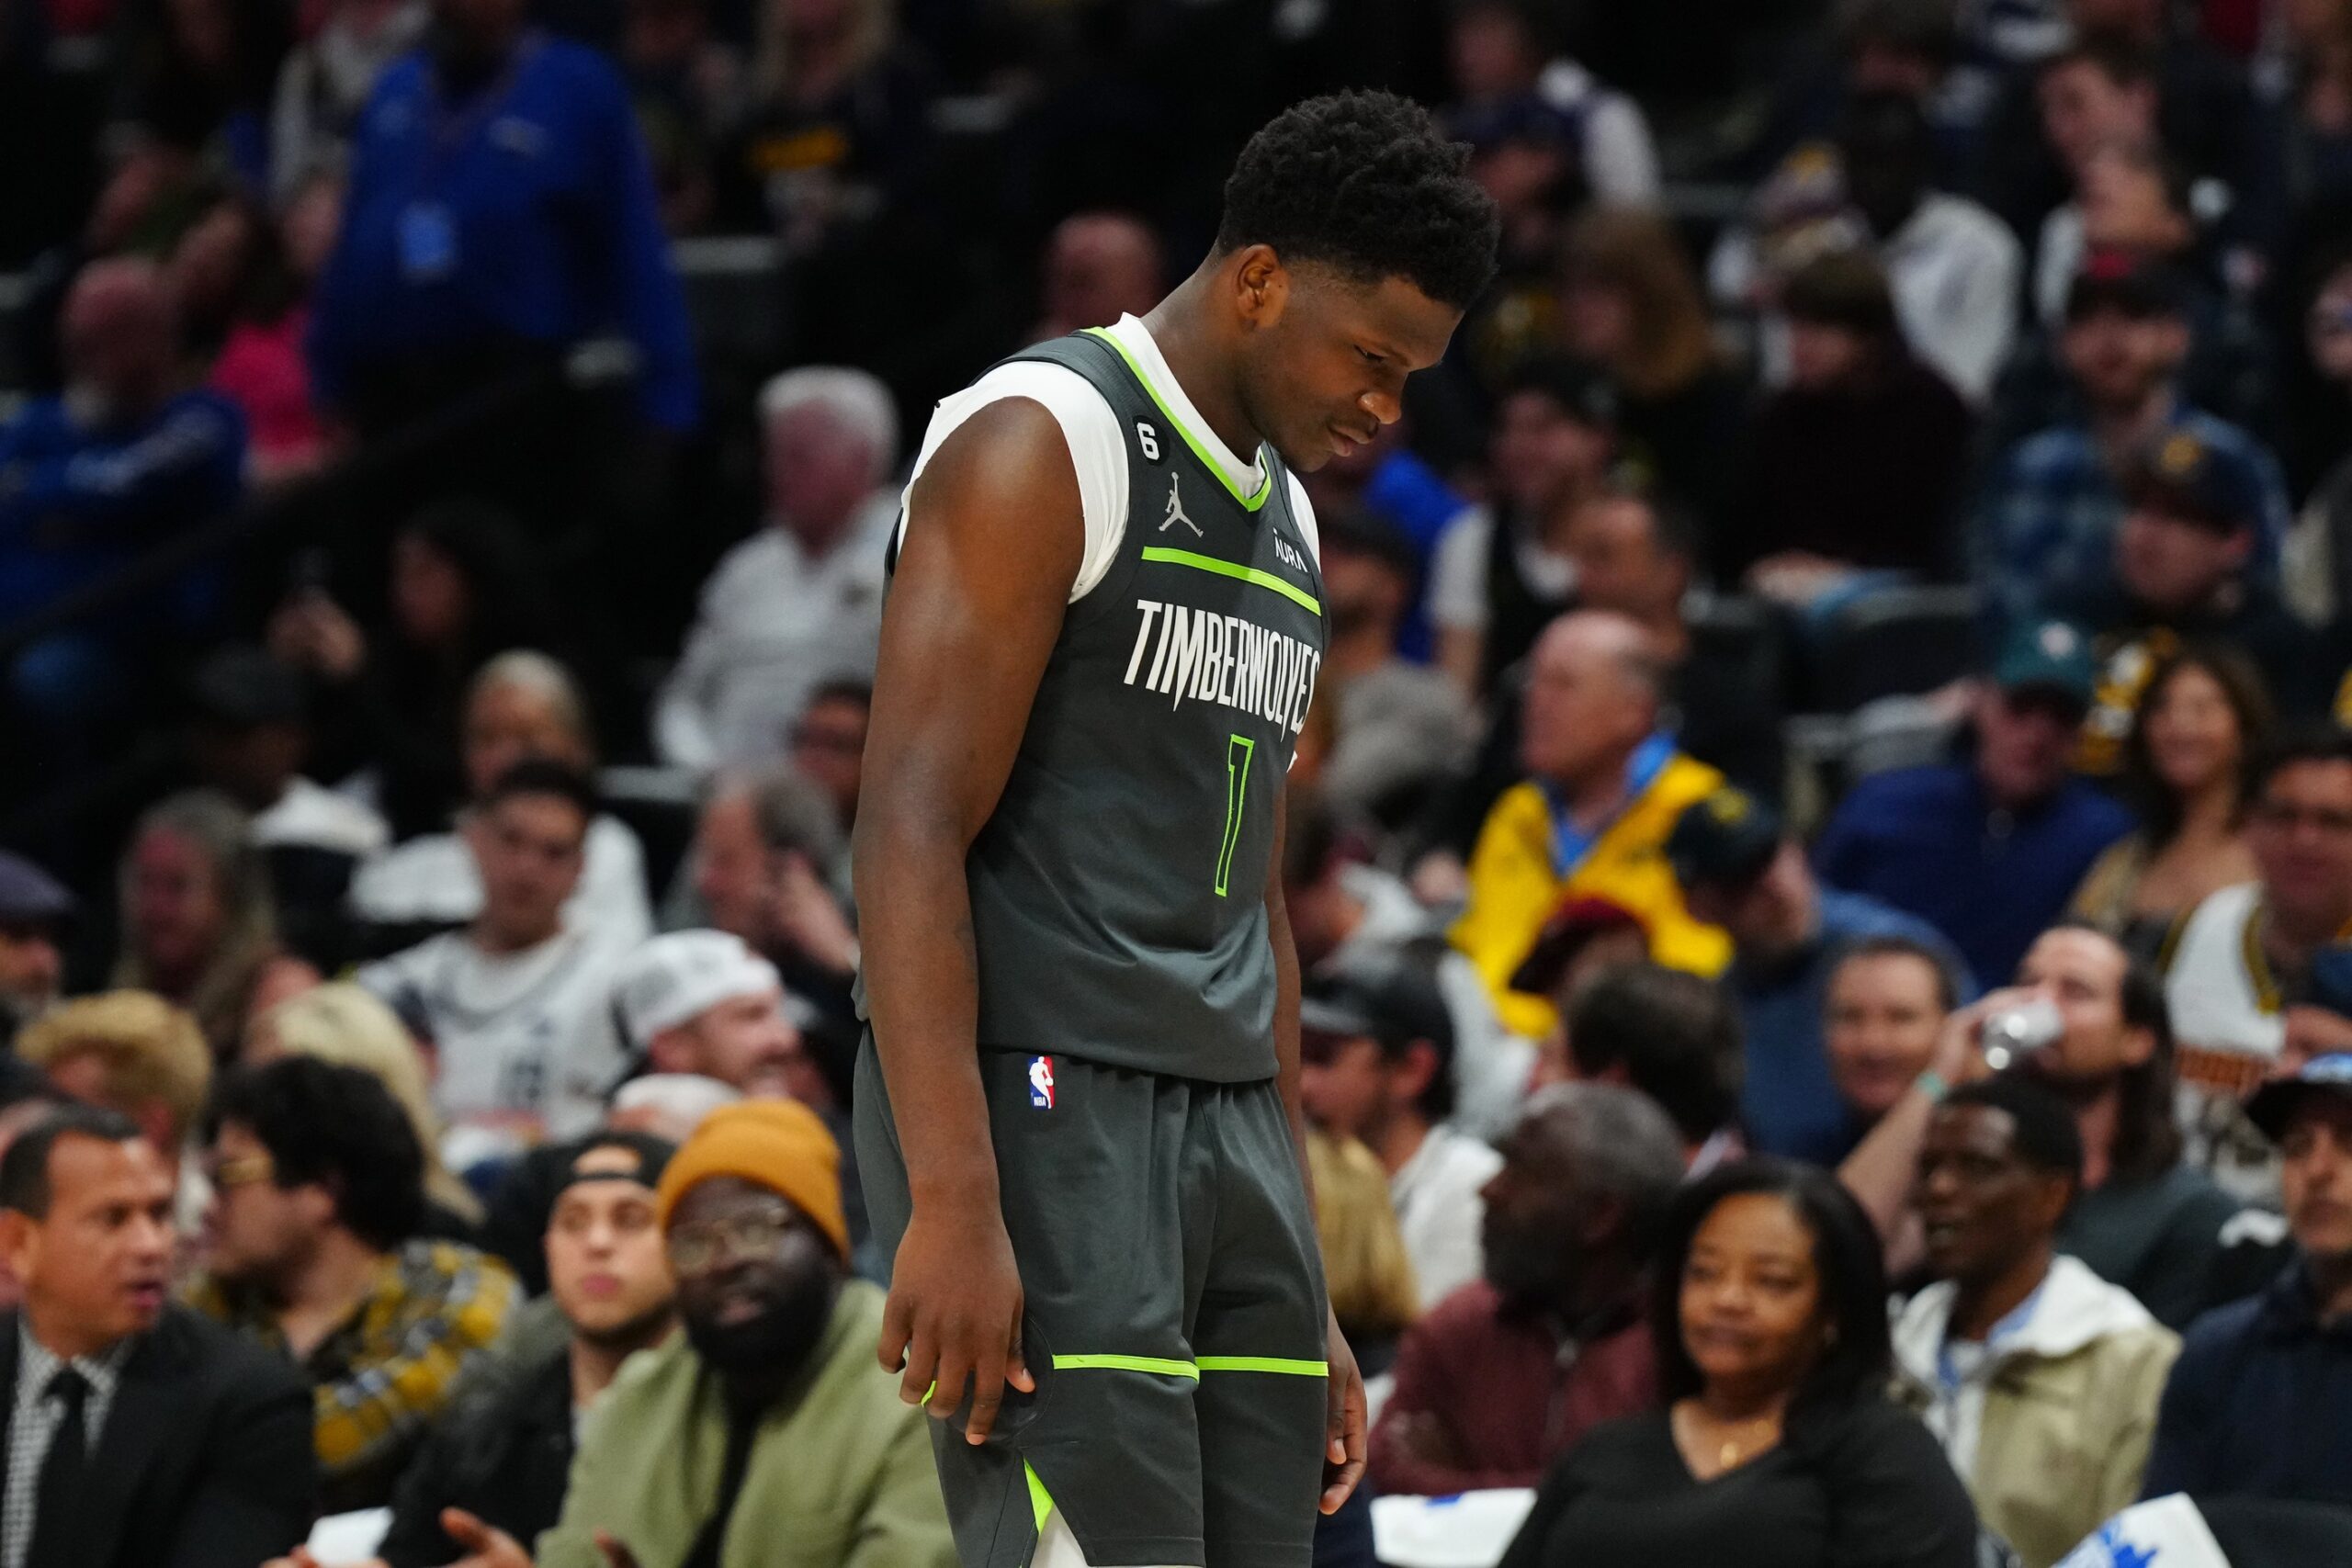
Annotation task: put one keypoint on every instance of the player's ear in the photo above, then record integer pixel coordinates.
(1261, 285)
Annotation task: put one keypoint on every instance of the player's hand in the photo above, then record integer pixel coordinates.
(954, 1316)
(616, 1555)
(483, 1546)
(1343, 1454)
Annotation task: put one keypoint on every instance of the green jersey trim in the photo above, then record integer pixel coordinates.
(1279, 1364)
(1152, 1364)
(1290, 591)
(1265, 482)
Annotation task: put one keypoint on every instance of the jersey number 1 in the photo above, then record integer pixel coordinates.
(1239, 750)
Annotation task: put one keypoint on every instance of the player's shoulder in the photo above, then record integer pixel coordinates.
(1063, 408)
(1060, 388)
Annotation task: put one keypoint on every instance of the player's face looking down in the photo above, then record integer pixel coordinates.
(1324, 356)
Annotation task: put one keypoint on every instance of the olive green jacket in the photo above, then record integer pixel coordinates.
(840, 1474)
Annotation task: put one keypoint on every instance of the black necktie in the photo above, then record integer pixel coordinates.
(57, 1499)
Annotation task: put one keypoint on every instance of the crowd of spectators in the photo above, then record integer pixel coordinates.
(1822, 859)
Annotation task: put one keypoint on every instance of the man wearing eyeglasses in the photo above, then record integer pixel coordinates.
(2259, 975)
(763, 1436)
(311, 1249)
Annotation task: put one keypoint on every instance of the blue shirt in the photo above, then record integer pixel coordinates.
(2259, 1404)
(2046, 524)
(526, 212)
(1788, 1101)
(1929, 840)
(77, 502)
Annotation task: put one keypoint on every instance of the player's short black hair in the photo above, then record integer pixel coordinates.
(2045, 1136)
(336, 1126)
(1364, 182)
(23, 1169)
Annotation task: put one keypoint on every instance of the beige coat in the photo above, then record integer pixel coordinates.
(2050, 1431)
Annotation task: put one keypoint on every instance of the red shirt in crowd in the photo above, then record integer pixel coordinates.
(1489, 1396)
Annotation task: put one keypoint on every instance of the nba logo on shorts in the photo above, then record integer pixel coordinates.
(1041, 1082)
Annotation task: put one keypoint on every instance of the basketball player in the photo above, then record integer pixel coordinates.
(1078, 1114)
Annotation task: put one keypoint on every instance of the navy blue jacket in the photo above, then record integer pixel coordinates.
(2260, 1403)
(1929, 841)
(527, 212)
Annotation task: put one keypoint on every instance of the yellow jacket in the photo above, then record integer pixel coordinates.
(1514, 885)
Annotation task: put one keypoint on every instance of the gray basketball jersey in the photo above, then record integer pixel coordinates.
(1118, 891)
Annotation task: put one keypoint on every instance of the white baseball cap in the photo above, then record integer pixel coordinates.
(675, 978)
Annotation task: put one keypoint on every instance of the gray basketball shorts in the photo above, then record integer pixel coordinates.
(1175, 1324)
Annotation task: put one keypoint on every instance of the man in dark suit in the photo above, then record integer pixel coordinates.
(134, 1434)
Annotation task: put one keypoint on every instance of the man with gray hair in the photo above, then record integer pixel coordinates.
(769, 866)
(1504, 1375)
(1605, 783)
(800, 602)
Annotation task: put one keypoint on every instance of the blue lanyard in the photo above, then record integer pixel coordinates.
(1571, 845)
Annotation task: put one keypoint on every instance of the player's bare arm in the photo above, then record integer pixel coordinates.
(989, 553)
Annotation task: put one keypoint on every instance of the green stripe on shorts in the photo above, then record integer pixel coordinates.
(1153, 1364)
(1281, 1364)
(1041, 1502)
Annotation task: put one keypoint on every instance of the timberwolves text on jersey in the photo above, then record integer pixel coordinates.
(1207, 656)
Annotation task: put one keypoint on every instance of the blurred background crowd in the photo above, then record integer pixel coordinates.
(1833, 718)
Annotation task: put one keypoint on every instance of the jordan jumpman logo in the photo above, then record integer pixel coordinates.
(1176, 511)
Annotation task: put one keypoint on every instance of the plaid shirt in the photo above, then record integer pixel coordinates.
(382, 1378)
(34, 1422)
(2045, 528)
